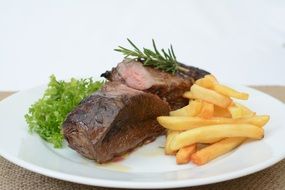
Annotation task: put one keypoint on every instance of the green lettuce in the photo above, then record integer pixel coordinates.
(45, 117)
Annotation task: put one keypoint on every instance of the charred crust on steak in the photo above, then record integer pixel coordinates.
(114, 121)
(121, 116)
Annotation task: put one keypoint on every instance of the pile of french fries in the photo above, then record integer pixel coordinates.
(211, 125)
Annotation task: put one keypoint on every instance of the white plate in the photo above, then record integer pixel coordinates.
(146, 167)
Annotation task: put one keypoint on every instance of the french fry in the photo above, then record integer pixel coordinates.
(217, 149)
(237, 111)
(246, 110)
(227, 91)
(207, 110)
(183, 155)
(189, 95)
(182, 123)
(221, 112)
(202, 134)
(206, 82)
(211, 152)
(185, 111)
(185, 123)
(211, 119)
(212, 78)
(192, 109)
(211, 141)
(195, 107)
(210, 82)
(169, 137)
(207, 95)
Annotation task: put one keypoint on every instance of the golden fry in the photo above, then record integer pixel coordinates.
(195, 107)
(212, 78)
(207, 110)
(185, 111)
(186, 123)
(258, 120)
(211, 152)
(210, 82)
(221, 112)
(189, 95)
(192, 109)
(237, 111)
(169, 137)
(246, 110)
(183, 155)
(205, 82)
(210, 118)
(227, 91)
(207, 95)
(202, 134)
(211, 141)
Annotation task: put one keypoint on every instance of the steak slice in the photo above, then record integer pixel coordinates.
(167, 86)
(113, 121)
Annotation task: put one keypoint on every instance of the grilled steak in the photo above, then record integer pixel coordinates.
(167, 86)
(113, 121)
(122, 115)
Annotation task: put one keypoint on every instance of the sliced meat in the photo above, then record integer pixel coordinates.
(113, 121)
(167, 86)
(122, 115)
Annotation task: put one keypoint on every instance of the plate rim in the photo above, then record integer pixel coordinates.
(140, 185)
(137, 184)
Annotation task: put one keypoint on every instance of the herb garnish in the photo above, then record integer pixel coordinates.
(46, 116)
(164, 60)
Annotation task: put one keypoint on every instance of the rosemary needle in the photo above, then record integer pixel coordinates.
(164, 60)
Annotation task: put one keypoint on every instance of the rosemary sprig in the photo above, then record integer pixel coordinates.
(164, 60)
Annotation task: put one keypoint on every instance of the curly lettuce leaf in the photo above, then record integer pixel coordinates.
(45, 117)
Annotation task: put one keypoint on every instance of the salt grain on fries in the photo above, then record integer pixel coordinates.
(211, 117)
